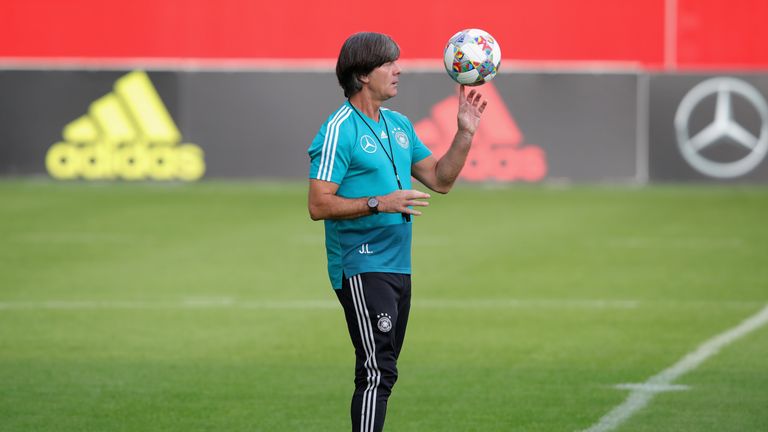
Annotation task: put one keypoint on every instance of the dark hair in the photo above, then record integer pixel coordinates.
(361, 54)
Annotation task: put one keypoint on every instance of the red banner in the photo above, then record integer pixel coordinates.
(648, 33)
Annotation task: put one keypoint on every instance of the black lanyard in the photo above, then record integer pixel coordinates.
(390, 154)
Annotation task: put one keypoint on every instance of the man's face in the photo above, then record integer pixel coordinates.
(383, 80)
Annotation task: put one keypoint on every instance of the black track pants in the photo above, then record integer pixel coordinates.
(376, 307)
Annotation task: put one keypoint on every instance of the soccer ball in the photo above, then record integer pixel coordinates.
(472, 57)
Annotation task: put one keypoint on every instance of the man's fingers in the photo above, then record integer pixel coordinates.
(482, 107)
(400, 200)
(416, 203)
(477, 99)
(411, 194)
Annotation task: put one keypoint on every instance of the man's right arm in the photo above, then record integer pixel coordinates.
(323, 202)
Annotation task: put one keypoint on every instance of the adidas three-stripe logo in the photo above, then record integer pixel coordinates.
(368, 414)
(127, 134)
(328, 156)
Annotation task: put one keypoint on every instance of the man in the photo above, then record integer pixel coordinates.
(362, 160)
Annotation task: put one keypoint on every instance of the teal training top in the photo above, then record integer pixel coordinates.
(345, 152)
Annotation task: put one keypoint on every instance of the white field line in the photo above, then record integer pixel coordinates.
(231, 303)
(306, 304)
(504, 303)
(642, 394)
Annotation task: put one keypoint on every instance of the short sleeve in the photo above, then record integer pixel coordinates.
(330, 151)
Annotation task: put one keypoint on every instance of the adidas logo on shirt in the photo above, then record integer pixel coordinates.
(126, 134)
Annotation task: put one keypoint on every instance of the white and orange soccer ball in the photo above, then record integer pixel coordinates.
(472, 57)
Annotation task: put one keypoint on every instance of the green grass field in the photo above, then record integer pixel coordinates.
(206, 307)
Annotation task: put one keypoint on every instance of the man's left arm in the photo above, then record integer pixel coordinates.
(440, 175)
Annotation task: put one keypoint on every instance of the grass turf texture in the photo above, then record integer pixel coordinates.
(127, 307)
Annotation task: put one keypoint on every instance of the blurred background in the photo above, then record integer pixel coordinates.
(589, 92)
(159, 270)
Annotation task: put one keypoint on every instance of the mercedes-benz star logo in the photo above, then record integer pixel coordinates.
(723, 127)
(368, 144)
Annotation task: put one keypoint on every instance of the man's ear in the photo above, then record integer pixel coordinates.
(363, 79)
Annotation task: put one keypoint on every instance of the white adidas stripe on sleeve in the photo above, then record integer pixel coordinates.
(325, 156)
(329, 172)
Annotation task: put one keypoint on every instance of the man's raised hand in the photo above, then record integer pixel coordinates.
(471, 107)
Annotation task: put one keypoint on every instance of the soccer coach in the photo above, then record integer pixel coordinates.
(362, 160)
